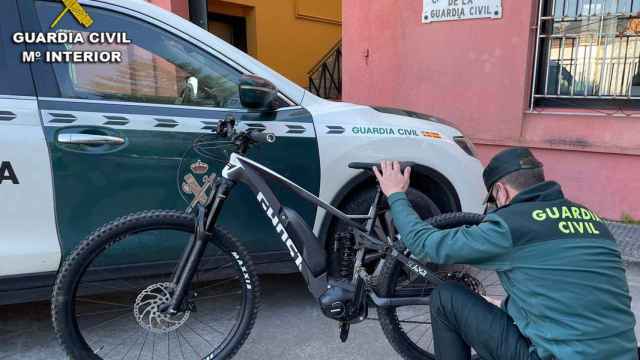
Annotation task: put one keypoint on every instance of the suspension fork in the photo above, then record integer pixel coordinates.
(197, 245)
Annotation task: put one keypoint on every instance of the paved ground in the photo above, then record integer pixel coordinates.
(289, 326)
(628, 238)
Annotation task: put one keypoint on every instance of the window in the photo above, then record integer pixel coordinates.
(588, 53)
(157, 67)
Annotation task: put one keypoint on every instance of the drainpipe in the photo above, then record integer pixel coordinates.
(198, 13)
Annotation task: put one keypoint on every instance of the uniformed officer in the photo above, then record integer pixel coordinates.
(567, 296)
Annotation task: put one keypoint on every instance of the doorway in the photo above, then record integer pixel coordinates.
(232, 29)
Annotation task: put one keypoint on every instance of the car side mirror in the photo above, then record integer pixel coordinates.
(257, 93)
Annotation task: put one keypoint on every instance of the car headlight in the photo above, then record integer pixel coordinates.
(466, 145)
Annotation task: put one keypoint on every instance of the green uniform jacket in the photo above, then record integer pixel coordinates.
(557, 262)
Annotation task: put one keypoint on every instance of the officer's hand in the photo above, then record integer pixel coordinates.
(390, 177)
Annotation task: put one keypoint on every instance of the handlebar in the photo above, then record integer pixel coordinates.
(243, 139)
(261, 137)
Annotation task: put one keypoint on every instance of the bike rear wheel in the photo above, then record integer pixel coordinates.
(408, 328)
(105, 308)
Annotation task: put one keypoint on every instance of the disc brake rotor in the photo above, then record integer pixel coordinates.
(147, 310)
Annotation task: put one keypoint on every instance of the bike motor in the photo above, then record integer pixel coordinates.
(344, 301)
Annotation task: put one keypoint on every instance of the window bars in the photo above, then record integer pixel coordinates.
(587, 49)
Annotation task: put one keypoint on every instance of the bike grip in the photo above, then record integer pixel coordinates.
(262, 137)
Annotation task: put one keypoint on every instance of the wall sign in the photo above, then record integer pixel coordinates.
(443, 10)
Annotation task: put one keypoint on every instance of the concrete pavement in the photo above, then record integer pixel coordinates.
(628, 239)
(289, 326)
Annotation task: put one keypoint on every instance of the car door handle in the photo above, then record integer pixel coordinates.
(89, 139)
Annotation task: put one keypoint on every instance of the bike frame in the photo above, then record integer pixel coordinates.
(253, 174)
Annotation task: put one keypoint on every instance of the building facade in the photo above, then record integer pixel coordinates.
(290, 36)
(560, 77)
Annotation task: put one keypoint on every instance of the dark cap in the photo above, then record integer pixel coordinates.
(506, 162)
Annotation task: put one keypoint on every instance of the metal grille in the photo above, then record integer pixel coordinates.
(587, 49)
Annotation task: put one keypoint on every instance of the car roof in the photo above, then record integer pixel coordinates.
(143, 8)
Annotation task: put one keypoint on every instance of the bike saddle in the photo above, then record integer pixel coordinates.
(369, 165)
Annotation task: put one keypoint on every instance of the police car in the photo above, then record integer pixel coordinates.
(82, 143)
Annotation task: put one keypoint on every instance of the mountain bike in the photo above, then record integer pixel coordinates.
(203, 304)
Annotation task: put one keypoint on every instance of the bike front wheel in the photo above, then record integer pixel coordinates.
(108, 298)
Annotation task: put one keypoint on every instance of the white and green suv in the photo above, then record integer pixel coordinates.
(83, 143)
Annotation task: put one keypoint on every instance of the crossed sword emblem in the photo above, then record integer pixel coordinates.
(191, 186)
(77, 11)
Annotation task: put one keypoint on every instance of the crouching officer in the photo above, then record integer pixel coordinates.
(557, 261)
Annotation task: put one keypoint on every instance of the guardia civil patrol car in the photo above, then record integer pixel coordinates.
(84, 143)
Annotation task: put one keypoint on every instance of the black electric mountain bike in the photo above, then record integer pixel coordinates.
(203, 304)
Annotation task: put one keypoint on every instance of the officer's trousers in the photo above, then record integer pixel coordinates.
(461, 319)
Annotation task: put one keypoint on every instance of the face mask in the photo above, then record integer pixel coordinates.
(489, 206)
(496, 196)
(493, 205)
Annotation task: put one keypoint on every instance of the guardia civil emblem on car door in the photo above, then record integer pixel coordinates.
(199, 167)
(191, 185)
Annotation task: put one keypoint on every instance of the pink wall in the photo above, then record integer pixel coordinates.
(477, 73)
(180, 7)
(601, 181)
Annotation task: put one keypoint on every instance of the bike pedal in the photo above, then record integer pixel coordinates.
(344, 331)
